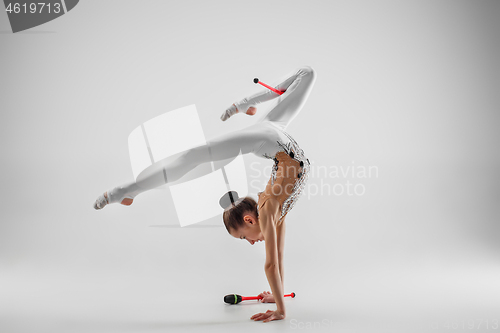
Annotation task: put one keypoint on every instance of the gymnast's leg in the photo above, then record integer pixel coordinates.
(294, 98)
(226, 146)
(298, 85)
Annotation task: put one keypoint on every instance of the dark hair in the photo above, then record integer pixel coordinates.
(233, 217)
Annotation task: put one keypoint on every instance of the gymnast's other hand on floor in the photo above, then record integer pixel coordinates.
(268, 316)
(267, 297)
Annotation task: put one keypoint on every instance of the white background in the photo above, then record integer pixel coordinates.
(408, 87)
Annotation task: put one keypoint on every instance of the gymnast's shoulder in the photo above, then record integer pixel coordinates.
(269, 209)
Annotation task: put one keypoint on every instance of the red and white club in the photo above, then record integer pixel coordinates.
(235, 299)
(256, 80)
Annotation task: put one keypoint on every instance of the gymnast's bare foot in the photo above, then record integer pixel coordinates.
(102, 201)
(232, 110)
(251, 111)
(126, 201)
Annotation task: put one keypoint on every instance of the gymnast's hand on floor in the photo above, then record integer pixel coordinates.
(268, 316)
(267, 297)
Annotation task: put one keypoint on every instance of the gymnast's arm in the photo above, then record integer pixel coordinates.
(268, 220)
(281, 250)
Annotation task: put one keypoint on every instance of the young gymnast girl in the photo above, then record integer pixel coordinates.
(245, 218)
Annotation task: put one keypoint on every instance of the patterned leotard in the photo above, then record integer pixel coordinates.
(289, 174)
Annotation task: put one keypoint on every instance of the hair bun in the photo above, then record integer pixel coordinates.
(228, 199)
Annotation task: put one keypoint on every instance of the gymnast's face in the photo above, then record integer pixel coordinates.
(250, 231)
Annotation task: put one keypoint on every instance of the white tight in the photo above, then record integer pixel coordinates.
(298, 86)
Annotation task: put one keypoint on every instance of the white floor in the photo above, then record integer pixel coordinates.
(150, 291)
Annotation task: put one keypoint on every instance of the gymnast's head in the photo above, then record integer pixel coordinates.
(241, 219)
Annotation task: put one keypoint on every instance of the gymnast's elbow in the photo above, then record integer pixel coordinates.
(270, 266)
